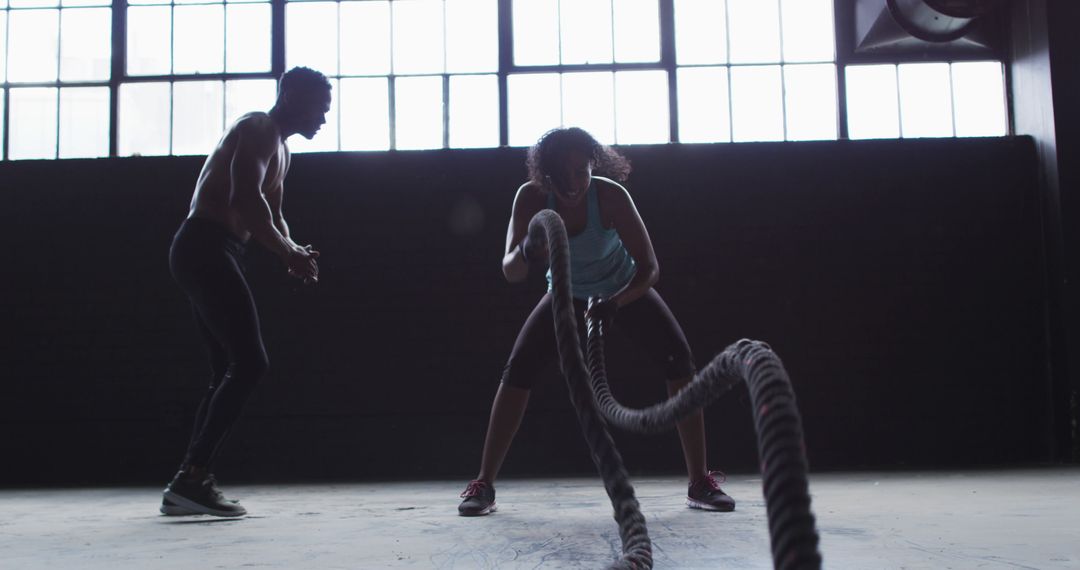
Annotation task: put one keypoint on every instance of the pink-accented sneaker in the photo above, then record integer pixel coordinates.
(705, 493)
(479, 499)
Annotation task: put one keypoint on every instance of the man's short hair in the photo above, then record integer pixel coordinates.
(302, 79)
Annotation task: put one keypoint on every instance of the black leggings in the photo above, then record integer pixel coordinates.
(206, 260)
(647, 321)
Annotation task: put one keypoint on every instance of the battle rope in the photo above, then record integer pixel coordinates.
(780, 444)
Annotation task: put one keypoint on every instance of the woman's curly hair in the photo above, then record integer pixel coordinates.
(556, 144)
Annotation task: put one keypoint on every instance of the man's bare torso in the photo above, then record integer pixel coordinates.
(214, 189)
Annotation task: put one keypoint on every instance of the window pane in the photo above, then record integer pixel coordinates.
(872, 107)
(365, 114)
(197, 116)
(585, 27)
(3, 47)
(247, 42)
(199, 39)
(810, 99)
(808, 30)
(533, 101)
(311, 36)
(84, 122)
(85, 44)
(32, 3)
(536, 32)
(979, 99)
(755, 31)
(925, 100)
(588, 102)
(248, 95)
(757, 104)
(67, 3)
(641, 107)
(472, 36)
(33, 123)
(704, 107)
(474, 111)
(365, 38)
(418, 36)
(700, 31)
(144, 119)
(418, 112)
(637, 30)
(32, 46)
(326, 140)
(148, 40)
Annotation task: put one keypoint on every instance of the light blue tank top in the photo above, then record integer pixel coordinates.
(600, 265)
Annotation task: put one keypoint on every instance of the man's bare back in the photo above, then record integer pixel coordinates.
(214, 190)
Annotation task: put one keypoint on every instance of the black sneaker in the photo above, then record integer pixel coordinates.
(705, 494)
(199, 497)
(479, 500)
(172, 509)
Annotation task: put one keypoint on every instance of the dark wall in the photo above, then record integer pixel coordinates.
(1045, 81)
(899, 280)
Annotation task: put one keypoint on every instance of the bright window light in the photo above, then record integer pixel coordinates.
(641, 107)
(585, 28)
(418, 36)
(808, 30)
(925, 100)
(704, 108)
(637, 30)
(3, 45)
(145, 113)
(534, 108)
(873, 109)
(472, 36)
(365, 114)
(247, 37)
(474, 111)
(311, 37)
(149, 34)
(199, 39)
(757, 103)
(32, 48)
(85, 44)
(754, 28)
(365, 38)
(2, 122)
(197, 116)
(33, 123)
(244, 96)
(326, 140)
(700, 31)
(84, 122)
(536, 32)
(418, 113)
(979, 99)
(33, 3)
(810, 100)
(588, 101)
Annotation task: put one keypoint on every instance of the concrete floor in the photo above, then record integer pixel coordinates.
(998, 519)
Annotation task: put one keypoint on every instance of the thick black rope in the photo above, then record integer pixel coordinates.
(779, 428)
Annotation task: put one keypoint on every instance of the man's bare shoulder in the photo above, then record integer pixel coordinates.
(258, 132)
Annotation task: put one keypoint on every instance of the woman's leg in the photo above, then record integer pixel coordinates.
(506, 414)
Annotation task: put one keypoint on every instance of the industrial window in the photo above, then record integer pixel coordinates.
(407, 74)
(422, 74)
(55, 59)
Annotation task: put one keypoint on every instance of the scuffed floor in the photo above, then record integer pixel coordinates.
(939, 520)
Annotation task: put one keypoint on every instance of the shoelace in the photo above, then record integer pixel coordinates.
(473, 489)
(211, 483)
(710, 479)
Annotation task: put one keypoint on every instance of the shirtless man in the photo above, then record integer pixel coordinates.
(237, 197)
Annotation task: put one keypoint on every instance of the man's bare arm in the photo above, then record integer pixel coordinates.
(255, 147)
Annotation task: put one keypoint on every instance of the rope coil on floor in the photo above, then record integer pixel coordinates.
(792, 530)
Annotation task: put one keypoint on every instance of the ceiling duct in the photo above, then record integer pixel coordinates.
(912, 25)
